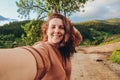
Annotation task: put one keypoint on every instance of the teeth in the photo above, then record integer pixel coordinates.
(56, 36)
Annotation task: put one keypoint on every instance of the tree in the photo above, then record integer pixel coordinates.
(97, 36)
(44, 7)
(32, 32)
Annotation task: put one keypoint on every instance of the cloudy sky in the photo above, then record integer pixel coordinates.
(98, 9)
(8, 9)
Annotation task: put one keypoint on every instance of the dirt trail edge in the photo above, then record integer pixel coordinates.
(91, 67)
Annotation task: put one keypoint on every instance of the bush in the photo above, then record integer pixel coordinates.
(115, 57)
(7, 41)
(111, 39)
(32, 32)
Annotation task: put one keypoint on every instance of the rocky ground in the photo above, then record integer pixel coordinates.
(90, 63)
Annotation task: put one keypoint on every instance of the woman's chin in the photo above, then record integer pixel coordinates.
(56, 42)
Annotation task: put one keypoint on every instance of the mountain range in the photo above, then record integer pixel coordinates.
(112, 21)
(4, 20)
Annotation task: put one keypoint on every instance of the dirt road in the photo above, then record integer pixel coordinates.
(85, 67)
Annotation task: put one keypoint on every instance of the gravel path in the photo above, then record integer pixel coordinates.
(91, 67)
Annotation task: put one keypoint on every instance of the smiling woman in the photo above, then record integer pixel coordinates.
(48, 59)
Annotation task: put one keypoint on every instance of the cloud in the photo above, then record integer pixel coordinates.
(99, 9)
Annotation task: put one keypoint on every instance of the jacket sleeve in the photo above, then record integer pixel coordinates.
(43, 53)
(42, 59)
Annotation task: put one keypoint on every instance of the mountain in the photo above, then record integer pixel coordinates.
(4, 20)
(112, 21)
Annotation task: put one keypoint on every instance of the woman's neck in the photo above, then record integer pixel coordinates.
(54, 45)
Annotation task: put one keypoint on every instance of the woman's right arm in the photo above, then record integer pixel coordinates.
(17, 64)
(77, 37)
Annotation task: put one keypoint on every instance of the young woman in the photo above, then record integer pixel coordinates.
(48, 59)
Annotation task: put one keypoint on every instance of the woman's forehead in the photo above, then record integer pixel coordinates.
(56, 21)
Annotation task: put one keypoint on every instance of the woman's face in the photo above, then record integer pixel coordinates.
(55, 31)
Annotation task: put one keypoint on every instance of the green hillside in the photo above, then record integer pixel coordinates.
(94, 32)
(111, 21)
(97, 31)
(115, 21)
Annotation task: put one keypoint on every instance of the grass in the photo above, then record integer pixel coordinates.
(115, 57)
(112, 39)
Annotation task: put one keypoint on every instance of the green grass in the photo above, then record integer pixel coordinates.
(112, 39)
(115, 57)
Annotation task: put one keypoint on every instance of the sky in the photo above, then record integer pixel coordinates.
(8, 9)
(94, 10)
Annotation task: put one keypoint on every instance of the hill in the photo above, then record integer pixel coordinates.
(97, 31)
(13, 28)
(110, 21)
(114, 21)
(3, 18)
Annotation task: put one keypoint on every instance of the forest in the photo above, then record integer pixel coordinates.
(94, 32)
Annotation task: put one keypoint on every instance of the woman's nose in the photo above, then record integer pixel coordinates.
(56, 29)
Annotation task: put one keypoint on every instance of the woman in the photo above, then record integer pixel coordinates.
(48, 59)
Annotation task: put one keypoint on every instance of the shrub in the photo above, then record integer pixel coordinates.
(111, 39)
(7, 41)
(32, 32)
(115, 57)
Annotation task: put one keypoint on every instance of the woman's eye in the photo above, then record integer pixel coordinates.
(53, 27)
(61, 27)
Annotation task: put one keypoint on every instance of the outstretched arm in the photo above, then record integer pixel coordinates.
(17, 64)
